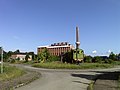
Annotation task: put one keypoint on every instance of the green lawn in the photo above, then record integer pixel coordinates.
(11, 72)
(54, 65)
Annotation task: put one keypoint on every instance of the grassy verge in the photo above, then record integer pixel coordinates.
(116, 63)
(11, 72)
(90, 87)
(14, 77)
(53, 65)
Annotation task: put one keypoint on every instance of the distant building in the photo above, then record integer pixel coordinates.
(21, 56)
(56, 49)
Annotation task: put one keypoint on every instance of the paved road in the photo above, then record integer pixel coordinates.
(62, 79)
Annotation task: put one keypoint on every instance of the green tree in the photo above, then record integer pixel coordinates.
(112, 56)
(27, 57)
(18, 59)
(36, 58)
(97, 59)
(33, 55)
(5, 57)
(54, 58)
(9, 53)
(88, 59)
(17, 51)
(44, 55)
(119, 56)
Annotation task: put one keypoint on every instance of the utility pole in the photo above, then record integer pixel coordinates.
(1, 49)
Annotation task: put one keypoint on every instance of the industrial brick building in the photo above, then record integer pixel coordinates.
(56, 49)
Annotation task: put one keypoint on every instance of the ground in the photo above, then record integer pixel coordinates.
(54, 79)
(107, 81)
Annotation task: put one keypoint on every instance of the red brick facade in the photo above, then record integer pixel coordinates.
(56, 49)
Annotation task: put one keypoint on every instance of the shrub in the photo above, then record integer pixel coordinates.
(88, 59)
(97, 59)
(12, 61)
(54, 58)
(109, 61)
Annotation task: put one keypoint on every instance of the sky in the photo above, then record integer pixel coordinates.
(27, 24)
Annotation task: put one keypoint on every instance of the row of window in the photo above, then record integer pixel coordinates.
(56, 51)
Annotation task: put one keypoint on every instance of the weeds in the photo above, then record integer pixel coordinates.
(90, 87)
(11, 72)
(53, 65)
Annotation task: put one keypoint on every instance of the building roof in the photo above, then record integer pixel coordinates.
(57, 45)
(54, 46)
(19, 53)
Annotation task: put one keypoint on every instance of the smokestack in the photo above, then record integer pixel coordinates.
(77, 38)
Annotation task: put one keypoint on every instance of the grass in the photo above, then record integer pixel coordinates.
(54, 65)
(116, 63)
(90, 87)
(11, 72)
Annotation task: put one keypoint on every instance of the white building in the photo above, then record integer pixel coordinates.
(21, 56)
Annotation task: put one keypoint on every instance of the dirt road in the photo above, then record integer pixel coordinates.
(62, 79)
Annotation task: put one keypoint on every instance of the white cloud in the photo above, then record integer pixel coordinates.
(94, 52)
(109, 51)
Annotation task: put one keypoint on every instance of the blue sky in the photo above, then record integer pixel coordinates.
(26, 24)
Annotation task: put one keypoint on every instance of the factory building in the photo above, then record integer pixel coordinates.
(57, 49)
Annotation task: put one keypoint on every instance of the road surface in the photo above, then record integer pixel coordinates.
(62, 79)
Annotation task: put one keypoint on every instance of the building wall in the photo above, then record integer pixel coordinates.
(13, 56)
(56, 49)
(21, 57)
(30, 58)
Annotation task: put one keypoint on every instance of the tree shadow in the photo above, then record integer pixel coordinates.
(108, 75)
(89, 77)
(103, 80)
(103, 76)
(107, 81)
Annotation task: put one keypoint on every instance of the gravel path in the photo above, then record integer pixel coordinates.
(63, 79)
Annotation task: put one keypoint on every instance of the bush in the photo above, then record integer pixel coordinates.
(88, 59)
(109, 61)
(12, 61)
(97, 59)
(54, 58)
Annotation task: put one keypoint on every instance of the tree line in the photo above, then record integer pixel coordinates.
(102, 59)
(45, 56)
(7, 55)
